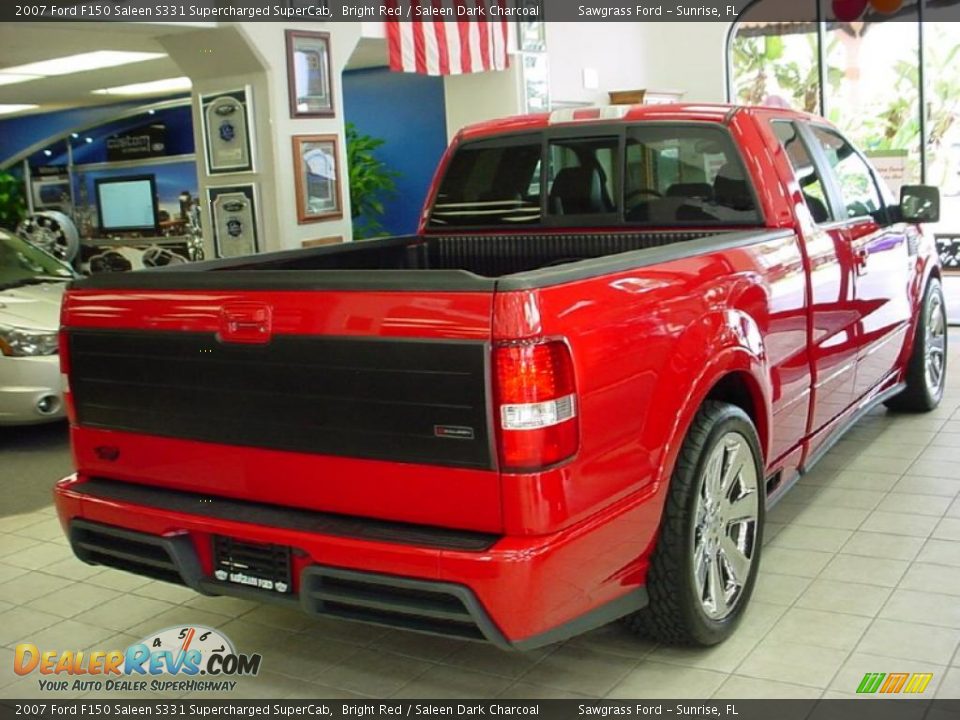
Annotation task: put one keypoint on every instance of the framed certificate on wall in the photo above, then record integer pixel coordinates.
(233, 217)
(228, 131)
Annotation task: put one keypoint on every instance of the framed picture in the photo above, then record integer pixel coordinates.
(228, 132)
(233, 216)
(317, 178)
(309, 84)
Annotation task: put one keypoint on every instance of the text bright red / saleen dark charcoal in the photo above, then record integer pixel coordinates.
(618, 336)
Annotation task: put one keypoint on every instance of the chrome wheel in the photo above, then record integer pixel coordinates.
(725, 527)
(935, 345)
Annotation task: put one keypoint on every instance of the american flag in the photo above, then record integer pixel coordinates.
(452, 43)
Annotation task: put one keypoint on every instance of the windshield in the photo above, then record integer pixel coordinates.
(653, 174)
(23, 264)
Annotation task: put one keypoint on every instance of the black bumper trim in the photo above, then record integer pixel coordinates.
(171, 558)
(427, 606)
(288, 518)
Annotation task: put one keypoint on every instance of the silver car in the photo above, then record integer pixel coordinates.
(31, 287)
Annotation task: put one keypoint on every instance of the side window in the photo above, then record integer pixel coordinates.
(811, 184)
(857, 187)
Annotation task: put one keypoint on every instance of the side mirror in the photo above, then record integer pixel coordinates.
(920, 204)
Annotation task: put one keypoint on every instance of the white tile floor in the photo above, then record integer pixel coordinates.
(861, 573)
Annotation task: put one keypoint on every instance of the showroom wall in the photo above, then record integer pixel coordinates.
(268, 41)
(646, 56)
(482, 96)
(254, 54)
(219, 60)
(413, 128)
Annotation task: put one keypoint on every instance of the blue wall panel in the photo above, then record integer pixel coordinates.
(408, 112)
(19, 133)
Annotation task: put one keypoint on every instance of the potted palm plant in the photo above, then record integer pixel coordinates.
(371, 183)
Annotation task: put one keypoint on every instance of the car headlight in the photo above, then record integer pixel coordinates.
(26, 342)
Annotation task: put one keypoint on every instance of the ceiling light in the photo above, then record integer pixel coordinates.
(148, 88)
(8, 109)
(13, 78)
(88, 140)
(48, 153)
(81, 63)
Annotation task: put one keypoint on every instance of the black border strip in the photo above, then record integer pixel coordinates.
(225, 278)
(595, 267)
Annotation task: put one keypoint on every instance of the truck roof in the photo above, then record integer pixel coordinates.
(700, 112)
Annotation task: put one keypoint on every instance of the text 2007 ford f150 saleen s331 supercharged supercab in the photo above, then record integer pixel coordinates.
(618, 336)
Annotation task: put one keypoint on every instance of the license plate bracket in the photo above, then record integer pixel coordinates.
(253, 565)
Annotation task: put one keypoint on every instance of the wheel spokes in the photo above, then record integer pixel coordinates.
(733, 467)
(714, 478)
(935, 345)
(718, 594)
(725, 525)
(738, 564)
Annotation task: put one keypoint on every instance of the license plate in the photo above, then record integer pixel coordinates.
(252, 565)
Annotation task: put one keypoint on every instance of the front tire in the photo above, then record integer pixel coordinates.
(927, 367)
(704, 567)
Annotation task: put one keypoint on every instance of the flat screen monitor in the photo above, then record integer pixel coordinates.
(127, 204)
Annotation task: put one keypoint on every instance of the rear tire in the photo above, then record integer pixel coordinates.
(927, 367)
(704, 567)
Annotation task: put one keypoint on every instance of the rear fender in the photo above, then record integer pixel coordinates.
(719, 344)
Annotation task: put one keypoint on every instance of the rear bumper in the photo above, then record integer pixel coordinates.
(517, 593)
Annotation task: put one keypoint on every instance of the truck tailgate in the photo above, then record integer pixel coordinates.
(360, 403)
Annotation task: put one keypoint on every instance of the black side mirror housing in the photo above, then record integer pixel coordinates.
(920, 204)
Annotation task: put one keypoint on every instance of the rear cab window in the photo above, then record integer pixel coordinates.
(491, 183)
(679, 175)
(661, 175)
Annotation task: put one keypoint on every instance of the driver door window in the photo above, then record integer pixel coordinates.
(858, 189)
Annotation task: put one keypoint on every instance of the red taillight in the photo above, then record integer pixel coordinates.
(536, 405)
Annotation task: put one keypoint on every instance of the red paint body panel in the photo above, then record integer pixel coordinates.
(454, 316)
(788, 318)
(395, 491)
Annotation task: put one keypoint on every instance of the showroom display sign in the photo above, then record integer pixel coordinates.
(143, 142)
(228, 131)
(317, 178)
(233, 216)
(310, 87)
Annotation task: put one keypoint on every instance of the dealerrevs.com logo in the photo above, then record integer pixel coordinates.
(183, 658)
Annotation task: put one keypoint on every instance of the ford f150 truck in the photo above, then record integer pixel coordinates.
(617, 337)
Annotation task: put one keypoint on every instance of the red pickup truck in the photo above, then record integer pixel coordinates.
(619, 335)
